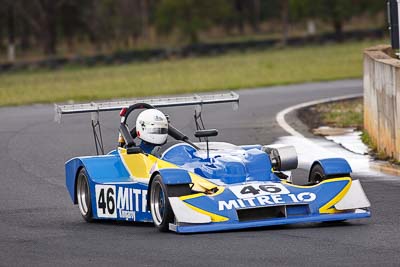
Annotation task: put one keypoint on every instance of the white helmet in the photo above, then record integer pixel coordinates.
(152, 126)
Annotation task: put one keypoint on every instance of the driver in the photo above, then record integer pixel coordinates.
(151, 129)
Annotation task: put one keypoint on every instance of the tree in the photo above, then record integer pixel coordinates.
(246, 11)
(100, 20)
(71, 22)
(133, 19)
(190, 17)
(305, 10)
(42, 16)
(336, 12)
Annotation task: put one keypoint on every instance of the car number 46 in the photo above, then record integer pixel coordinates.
(105, 201)
(251, 190)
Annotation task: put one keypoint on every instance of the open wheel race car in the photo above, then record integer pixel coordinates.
(204, 186)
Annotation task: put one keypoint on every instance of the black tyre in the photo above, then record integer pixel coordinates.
(160, 208)
(83, 196)
(317, 174)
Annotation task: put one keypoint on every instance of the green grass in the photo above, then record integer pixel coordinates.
(231, 71)
(368, 140)
(342, 114)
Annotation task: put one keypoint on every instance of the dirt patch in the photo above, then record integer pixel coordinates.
(331, 131)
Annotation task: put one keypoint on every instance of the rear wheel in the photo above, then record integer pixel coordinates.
(83, 196)
(160, 208)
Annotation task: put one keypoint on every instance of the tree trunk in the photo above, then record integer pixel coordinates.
(311, 27)
(194, 37)
(11, 33)
(25, 36)
(338, 26)
(285, 21)
(240, 19)
(256, 15)
(145, 18)
(49, 36)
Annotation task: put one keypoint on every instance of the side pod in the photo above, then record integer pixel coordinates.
(99, 169)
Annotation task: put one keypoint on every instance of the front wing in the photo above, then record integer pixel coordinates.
(265, 204)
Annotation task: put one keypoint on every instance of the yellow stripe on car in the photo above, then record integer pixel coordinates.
(323, 182)
(327, 208)
(149, 163)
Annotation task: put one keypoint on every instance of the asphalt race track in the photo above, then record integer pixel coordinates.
(40, 226)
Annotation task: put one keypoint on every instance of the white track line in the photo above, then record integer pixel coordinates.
(280, 117)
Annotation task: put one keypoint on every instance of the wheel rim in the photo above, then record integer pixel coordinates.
(83, 195)
(157, 203)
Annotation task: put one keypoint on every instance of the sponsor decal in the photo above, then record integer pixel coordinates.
(158, 118)
(266, 194)
(122, 202)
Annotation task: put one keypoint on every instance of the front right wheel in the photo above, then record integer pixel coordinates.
(160, 207)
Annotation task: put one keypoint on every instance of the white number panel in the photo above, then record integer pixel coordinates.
(105, 201)
(258, 189)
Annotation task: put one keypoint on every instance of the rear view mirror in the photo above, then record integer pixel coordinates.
(134, 150)
(206, 133)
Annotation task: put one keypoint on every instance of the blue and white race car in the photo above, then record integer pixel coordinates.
(205, 186)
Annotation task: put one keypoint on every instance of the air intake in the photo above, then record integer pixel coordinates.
(261, 213)
(264, 213)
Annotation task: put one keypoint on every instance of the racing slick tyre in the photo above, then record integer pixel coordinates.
(160, 208)
(317, 174)
(83, 196)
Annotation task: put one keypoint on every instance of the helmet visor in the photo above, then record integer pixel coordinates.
(157, 131)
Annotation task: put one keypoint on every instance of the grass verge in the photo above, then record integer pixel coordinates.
(339, 114)
(342, 114)
(230, 71)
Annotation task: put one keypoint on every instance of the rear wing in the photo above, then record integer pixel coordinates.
(200, 100)
(96, 108)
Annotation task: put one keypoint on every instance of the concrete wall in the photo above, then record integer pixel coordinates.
(382, 99)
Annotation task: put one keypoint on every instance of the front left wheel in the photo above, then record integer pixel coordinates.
(83, 196)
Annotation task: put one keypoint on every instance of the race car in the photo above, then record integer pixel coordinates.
(203, 186)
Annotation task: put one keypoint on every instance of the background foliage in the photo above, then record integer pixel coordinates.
(52, 25)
